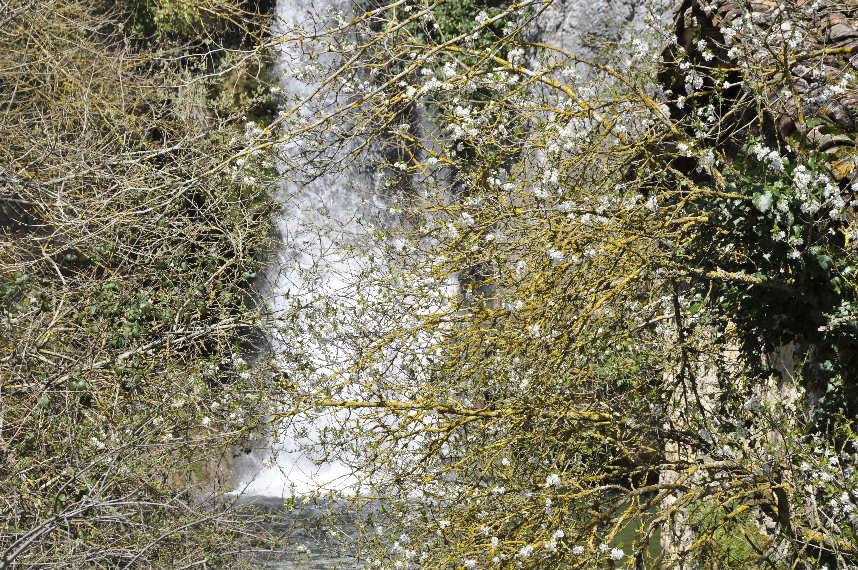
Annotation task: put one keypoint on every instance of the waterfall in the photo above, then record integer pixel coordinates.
(325, 227)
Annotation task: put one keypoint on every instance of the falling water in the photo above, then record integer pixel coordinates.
(325, 226)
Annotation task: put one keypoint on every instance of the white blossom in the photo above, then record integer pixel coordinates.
(763, 201)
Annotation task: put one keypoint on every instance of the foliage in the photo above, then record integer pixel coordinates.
(615, 296)
(209, 23)
(129, 241)
(578, 314)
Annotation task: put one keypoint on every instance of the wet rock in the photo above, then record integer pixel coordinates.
(840, 32)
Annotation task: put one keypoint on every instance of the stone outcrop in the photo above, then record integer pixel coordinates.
(813, 100)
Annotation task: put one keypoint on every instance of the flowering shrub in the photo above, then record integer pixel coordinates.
(785, 231)
(613, 323)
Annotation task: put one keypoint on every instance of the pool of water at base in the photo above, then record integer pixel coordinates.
(311, 537)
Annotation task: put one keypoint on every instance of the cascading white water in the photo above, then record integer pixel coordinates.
(325, 227)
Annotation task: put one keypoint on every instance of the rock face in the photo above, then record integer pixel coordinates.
(581, 27)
